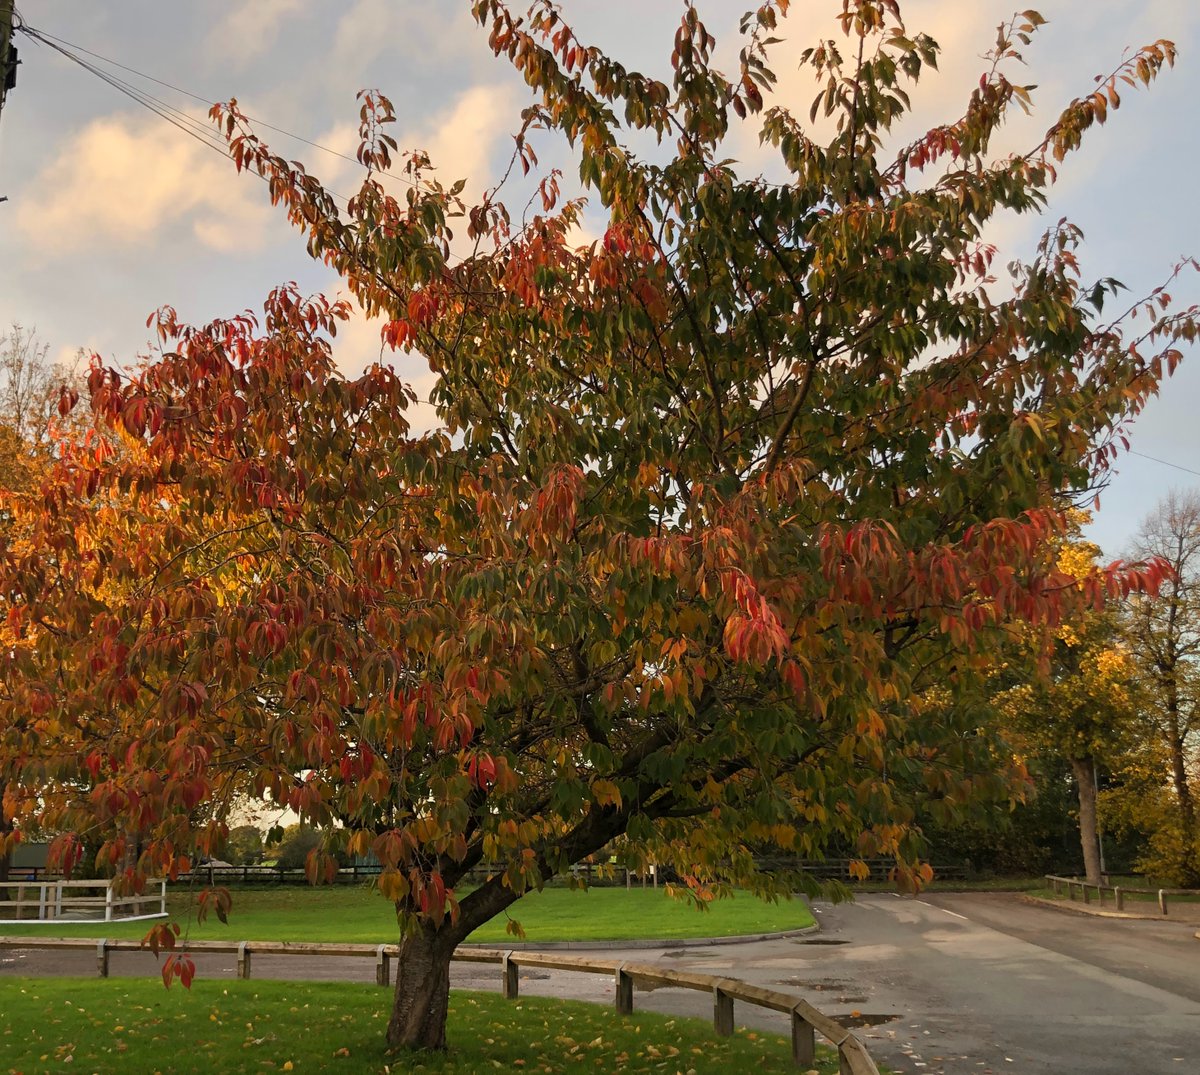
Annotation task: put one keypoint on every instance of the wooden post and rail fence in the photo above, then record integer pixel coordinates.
(1117, 892)
(807, 1023)
(597, 874)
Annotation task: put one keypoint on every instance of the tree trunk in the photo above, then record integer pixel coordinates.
(1179, 775)
(1089, 832)
(1189, 868)
(422, 989)
(5, 856)
(422, 994)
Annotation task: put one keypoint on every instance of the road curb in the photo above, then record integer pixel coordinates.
(669, 942)
(1094, 912)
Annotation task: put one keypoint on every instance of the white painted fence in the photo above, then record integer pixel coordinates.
(46, 901)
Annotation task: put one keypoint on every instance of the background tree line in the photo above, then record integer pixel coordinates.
(1105, 712)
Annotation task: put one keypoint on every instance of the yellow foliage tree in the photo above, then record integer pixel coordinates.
(1072, 693)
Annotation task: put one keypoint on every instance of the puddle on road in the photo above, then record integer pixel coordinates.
(821, 985)
(866, 1019)
(819, 940)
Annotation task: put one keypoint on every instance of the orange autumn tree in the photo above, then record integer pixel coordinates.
(713, 498)
(30, 385)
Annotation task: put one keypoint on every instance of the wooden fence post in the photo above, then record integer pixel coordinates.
(722, 1011)
(243, 961)
(853, 1056)
(383, 966)
(102, 958)
(624, 986)
(511, 981)
(804, 1039)
(1162, 901)
(1119, 897)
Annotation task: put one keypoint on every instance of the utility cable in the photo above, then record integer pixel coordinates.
(48, 38)
(1165, 463)
(188, 124)
(194, 128)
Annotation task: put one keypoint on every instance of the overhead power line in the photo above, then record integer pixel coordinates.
(176, 117)
(201, 130)
(1165, 462)
(210, 101)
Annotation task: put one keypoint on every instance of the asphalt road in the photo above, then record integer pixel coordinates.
(980, 983)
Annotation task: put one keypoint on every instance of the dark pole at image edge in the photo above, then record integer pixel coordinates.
(8, 55)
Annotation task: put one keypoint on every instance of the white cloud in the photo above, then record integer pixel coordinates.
(460, 142)
(358, 345)
(250, 29)
(129, 182)
(419, 33)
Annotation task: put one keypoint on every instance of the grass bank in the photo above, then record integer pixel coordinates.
(356, 913)
(119, 1025)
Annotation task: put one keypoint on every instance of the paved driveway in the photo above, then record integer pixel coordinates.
(980, 983)
(956, 983)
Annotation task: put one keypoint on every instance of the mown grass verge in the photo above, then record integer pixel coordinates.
(356, 913)
(124, 1025)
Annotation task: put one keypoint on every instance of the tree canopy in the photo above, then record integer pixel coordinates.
(714, 499)
(1164, 636)
(30, 386)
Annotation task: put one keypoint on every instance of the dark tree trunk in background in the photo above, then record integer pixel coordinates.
(5, 858)
(1089, 832)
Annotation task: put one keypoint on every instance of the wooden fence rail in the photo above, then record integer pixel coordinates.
(1118, 892)
(49, 901)
(806, 1021)
(594, 874)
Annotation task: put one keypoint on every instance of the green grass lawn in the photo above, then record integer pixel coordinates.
(356, 913)
(121, 1025)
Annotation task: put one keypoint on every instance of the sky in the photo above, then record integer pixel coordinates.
(112, 212)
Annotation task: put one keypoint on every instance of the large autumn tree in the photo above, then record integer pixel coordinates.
(713, 497)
